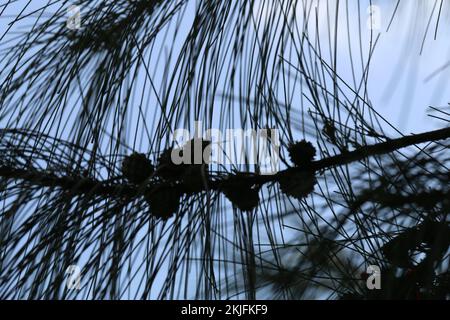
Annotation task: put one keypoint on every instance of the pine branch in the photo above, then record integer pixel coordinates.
(81, 185)
(382, 148)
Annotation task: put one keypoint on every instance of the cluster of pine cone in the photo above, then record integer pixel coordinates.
(191, 178)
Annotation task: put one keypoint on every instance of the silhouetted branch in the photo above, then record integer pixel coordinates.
(81, 185)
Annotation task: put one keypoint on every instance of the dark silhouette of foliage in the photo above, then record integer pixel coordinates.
(87, 178)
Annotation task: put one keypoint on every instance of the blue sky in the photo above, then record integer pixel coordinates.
(399, 61)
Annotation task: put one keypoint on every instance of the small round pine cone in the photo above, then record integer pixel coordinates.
(298, 184)
(166, 169)
(194, 178)
(244, 196)
(301, 153)
(164, 201)
(197, 151)
(137, 168)
(329, 130)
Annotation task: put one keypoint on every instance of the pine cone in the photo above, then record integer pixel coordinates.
(137, 168)
(298, 184)
(242, 195)
(168, 170)
(193, 179)
(302, 153)
(195, 149)
(164, 201)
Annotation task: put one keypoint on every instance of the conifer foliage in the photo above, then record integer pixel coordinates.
(88, 177)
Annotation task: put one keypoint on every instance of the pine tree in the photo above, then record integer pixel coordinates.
(86, 116)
